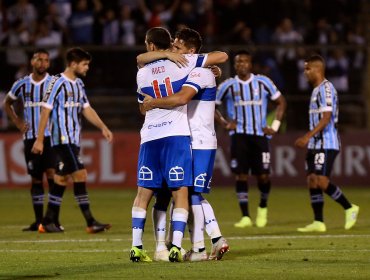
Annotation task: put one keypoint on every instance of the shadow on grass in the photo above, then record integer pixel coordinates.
(36, 276)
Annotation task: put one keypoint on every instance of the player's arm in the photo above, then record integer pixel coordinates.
(181, 98)
(9, 109)
(148, 57)
(216, 57)
(302, 142)
(38, 146)
(91, 115)
(229, 125)
(279, 113)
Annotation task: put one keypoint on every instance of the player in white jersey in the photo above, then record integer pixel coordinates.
(165, 154)
(323, 146)
(199, 92)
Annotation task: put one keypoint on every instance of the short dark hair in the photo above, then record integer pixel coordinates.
(77, 55)
(315, 58)
(40, 50)
(243, 52)
(160, 37)
(191, 38)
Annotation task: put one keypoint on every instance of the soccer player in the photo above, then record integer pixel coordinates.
(165, 153)
(323, 146)
(63, 104)
(199, 92)
(246, 97)
(31, 90)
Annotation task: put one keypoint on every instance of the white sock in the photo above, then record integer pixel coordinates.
(138, 224)
(159, 225)
(212, 228)
(197, 232)
(179, 219)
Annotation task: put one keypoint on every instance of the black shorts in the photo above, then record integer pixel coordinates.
(320, 162)
(250, 152)
(68, 159)
(36, 163)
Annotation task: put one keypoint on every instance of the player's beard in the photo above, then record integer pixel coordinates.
(80, 74)
(41, 71)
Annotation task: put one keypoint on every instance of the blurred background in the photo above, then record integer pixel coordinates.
(279, 33)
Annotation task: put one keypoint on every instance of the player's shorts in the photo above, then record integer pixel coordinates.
(36, 163)
(68, 159)
(250, 153)
(165, 161)
(320, 162)
(203, 162)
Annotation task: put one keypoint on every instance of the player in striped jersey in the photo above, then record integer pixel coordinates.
(165, 154)
(323, 146)
(64, 103)
(31, 90)
(199, 92)
(246, 97)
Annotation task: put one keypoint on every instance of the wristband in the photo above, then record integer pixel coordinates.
(275, 125)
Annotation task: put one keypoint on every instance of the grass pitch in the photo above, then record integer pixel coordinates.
(275, 252)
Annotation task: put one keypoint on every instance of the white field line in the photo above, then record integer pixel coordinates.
(258, 237)
(126, 250)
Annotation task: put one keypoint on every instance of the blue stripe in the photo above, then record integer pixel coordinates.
(138, 223)
(178, 226)
(206, 94)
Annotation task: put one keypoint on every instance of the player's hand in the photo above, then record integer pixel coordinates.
(22, 125)
(107, 134)
(38, 146)
(302, 142)
(268, 131)
(230, 125)
(147, 103)
(179, 59)
(216, 71)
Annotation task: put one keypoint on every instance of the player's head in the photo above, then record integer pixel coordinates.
(243, 63)
(40, 61)
(187, 41)
(157, 38)
(78, 61)
(314, 69)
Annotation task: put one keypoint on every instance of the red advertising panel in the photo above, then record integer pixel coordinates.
(114, 165)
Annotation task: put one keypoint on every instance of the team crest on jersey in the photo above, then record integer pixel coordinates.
(200, 180)
(70, 94)
(145, 173)
(176, 173)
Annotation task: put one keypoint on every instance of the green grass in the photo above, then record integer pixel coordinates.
(275, 252)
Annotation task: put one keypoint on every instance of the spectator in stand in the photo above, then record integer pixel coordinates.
(23, 11)
(46, 38)
(288, 38)
(81, 23)
(337, 68)
(158, 15)
(127, 26)
(110, 28)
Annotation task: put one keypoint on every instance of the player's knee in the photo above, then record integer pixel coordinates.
(263, 178)
(50, 173)
(79, 176)
(60, 180)
(241, 177)
(312, 181)
(322, 182)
